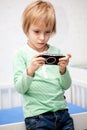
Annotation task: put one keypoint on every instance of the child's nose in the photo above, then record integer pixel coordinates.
(42, 36)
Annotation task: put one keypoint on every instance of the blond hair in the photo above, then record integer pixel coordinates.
(36, 11)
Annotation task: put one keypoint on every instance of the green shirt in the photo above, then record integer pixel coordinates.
(45, 90)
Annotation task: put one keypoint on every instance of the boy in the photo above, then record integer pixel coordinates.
(42, 86)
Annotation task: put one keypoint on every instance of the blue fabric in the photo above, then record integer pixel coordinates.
(14, 115)
(11, 115)
(73, 109)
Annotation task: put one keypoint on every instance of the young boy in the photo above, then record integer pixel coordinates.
(42, 86)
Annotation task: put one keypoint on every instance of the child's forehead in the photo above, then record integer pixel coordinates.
(41, 26)
(42, 22)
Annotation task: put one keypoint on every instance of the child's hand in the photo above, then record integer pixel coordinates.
(36, 62)
(63, 62)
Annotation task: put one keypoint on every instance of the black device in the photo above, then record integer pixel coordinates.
(52, 59)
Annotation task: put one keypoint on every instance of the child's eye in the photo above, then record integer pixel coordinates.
(48, 31)
(36, 31)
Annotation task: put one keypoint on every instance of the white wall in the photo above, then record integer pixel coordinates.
(71, 32)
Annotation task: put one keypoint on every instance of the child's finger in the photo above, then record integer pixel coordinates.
(69, 56)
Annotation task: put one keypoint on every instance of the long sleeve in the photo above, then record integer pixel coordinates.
(65, 80)
(21, 80)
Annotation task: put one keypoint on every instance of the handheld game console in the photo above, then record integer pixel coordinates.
(52, 59)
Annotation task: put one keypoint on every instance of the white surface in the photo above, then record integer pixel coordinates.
(14, 126)
(78, 74)
(80, 121)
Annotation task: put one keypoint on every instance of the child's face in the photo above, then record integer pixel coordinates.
(39, 35)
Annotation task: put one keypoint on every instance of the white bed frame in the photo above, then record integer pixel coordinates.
(80, 122)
